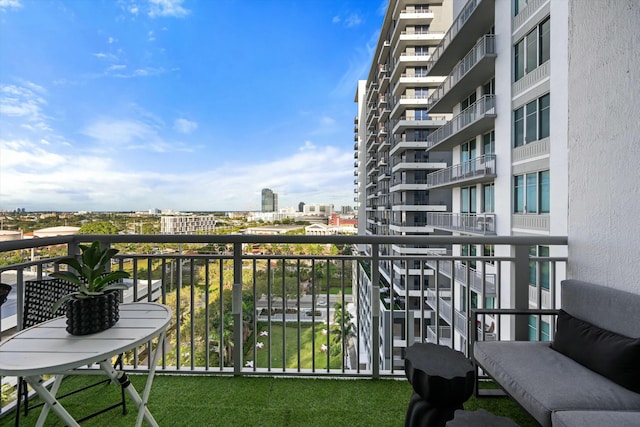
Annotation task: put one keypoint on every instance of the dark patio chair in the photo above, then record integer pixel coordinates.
(39, 298)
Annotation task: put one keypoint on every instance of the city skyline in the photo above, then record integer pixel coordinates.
(183, 105)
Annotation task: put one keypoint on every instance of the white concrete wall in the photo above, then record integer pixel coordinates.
(604, 142)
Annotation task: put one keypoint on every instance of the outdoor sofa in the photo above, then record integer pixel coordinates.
(589, 375)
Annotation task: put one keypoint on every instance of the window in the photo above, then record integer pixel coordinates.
(420, 72)
(531, 193)
(421, 93)
(541, 267)
(532, 121)
(421, 115)
(468, 199)
(467, 101)
(533, 329)
(518, 5)
(421, 134)
(489, 88)
(489, 250)
(488, 198)
(532, 51)
(422, 50)
(489, 143)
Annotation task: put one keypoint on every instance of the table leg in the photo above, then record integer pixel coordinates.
(123, 380)
(50, 400)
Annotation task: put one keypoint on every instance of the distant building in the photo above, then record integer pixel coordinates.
(269, 200)
(319, 210)
(301, 207)
(187, 224)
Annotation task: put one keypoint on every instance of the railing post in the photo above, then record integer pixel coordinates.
(520, 291)
(236, 308)
(375, 312)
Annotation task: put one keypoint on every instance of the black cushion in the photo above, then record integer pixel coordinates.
(613, 355)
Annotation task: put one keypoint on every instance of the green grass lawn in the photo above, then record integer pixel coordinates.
(307, 352)
(258, 401)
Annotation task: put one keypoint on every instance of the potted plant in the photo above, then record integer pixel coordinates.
(94, 306)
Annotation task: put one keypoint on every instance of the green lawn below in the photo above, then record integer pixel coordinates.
(258, 401)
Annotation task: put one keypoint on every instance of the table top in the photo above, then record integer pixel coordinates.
(48, 348)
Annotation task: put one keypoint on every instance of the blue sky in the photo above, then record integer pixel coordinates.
(180, 104)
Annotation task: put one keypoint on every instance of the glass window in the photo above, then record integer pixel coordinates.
(489, 143)
(531, 122)
(464, 202)
(421, 115)
(518, 55)
(518, 5)
(518, 194)
(545, 116)
(532, 193)
(545, 41)
(532, 51)
(488, 203)
(472, 199)
(545, 192)
(518, 127)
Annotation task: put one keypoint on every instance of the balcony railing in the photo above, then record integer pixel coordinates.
(483, 223)
(484, 47)
(476, 111)
(278, 305)
(473, 170)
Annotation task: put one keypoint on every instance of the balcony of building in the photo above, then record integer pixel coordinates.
(464, 273)
(474, 20)
(400, 165)
(399, 143)
(289, 303)
(409, 79)
(412, 102)
(409, 58)
(474, 171)
(412, 122)
(475, 69)
(417, 206)
(476, 119)
(480, 224)
(413, 15)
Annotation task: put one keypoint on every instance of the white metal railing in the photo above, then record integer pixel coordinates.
(476, 111)
(457, 24)
(301, 308)
(482, 166)
(486, 45)
(482, 223)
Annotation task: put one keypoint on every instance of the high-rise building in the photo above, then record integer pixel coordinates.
(269, 200)
(462, 129)
(392, 163)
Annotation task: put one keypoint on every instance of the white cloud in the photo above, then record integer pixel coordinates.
(357, 68)
(41, 177)
(150, 36)
(111, 40)
(336, 19)
(185, 126)
(167, 8)
(24, 104)
(353, 20)
(10, 4)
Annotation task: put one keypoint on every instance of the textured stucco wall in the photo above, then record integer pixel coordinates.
(604, 142)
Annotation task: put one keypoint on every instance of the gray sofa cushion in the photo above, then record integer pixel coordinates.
(543, 380)
(596, 418)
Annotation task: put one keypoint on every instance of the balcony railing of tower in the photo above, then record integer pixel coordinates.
(457, 24)
(486, 45)
(484, 165)
(477, 223)
(287, 297)
(485, 105)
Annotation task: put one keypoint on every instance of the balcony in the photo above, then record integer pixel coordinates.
(476, 119)
(285, 300)
(411, 122)
(470, 24)
(411, 80)
(480, 169)
(472, 71)
(482, 224)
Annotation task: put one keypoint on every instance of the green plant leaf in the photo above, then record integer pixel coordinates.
(62, 301)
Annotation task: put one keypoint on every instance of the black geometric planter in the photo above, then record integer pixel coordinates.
(90, 315)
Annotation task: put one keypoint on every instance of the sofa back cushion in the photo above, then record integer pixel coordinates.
(608, 308)
(610, 354)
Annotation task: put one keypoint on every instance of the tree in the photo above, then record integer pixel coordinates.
(98, 227)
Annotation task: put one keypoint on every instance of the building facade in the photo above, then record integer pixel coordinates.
(269, 200)
(466, 136)
(187, 224)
